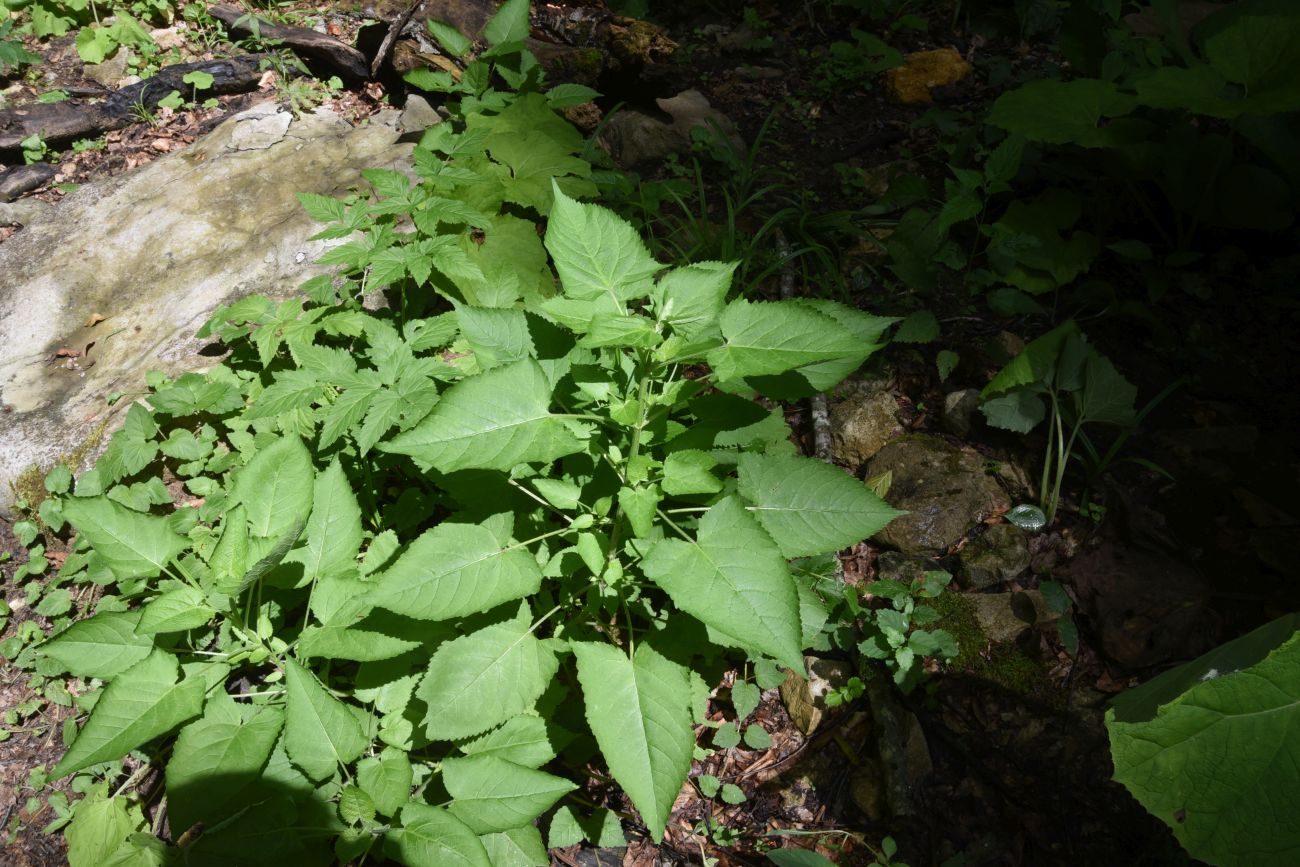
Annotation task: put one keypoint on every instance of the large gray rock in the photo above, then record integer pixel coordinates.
(861, 425)
(997, 555)
(945, 490)
(153, 253)
(633, 137)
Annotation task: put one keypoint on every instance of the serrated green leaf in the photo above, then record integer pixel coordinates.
(334, 528)
(597, 253)
(144, 702)
(1018, 411)
(454, 570)
(688, 472)
(103, 646)
(131, 544)
(355, 805)
(1217, 763)
(322, 209)
(491, 794)
(387, 779)
(432, 837)
(745, 697)
(517, 847)
(523, 739)
(213, 762)
(637, 709)
(766, 338)
(175, 611)
(380, 635)
(482, 679)
(320, 732)
(691, 298)
(229, 560)
(292, 389)
(275, 487)
(508, 24)
(734, 579)
(496, 336)
(493, 420)
(452, 40)
(810, 507)
(101, 832)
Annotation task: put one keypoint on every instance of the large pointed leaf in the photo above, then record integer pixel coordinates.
(213, 760)
(496, 335)
(524, 740)
(320, 732)
(492, 421)
(639, 711)
(764, 338)
(176, 610)
(334, 528)
(734, 579)
(690, 298)
(144, 702)
(386, 778)
(132, 544)
(432, 837)
(276, 487)
(103, 646)
(517, 847)
(454, 570)
(1107, 397)
(492, 794)
(810, 507)
(1218, 763)
(596, 252)
(482, 679)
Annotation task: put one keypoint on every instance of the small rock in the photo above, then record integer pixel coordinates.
(1004, 617)
(1004, 346)
(893, 566)
(861, 425)
(922, 71)
(109, 73)
(997, 555)
(944, 489)
(22, 213)
(167, 38)
(23, 179)
(805, 698)
(867, 789)
(417, 115)
(958, 407)
(633, 137)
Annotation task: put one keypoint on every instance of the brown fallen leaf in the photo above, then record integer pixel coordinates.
(67, 352)
(161, 145)
(95, 319)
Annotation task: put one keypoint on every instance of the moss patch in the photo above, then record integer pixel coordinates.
(1004, 665)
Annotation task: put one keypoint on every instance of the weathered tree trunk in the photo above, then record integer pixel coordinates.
(323, 54)
(62, 122)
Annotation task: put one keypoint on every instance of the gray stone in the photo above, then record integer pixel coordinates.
(958, 407)
(22, 212)
(634, 137)
(155, 251)
(167, 38)
(805, 698)
(109, 73)
(861, 425)
(417, 116)
(1004, 617)
(997, 555)
(945, 490)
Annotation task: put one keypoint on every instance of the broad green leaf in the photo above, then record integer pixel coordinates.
(292, 389)
(275, 487)
(355, 806)
(602, 829)
(229, 560)
(454, 570)
(334, 528)
(688, 472)
(1035, 363)
(1062, 112)
(176, 610)
(449, 38)
(133, 545)
(100, 831)
(517, 847)
(508, 24)
(431, 837)
(638, 710)
(639, 506)
(320, 732)
(745, 697)
(568, 95)
(1018, 411)
(690, 298)
(493, 420)
(810, 507)
(103, 646)
(380, 635)
(734, 579)
(387, 779)
(596, 252)
(765, 338)
(144, 702)
(1217, 763)
(491, 794)
(482, 679)
(1107, 397)
(523, 739)
(213, 761)
(496, 336)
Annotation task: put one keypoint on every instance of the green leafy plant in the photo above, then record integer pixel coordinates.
(895, 633)
(851, 64)
(34, 148)
(1060, 378)
(1170, 735)
(13, 56)
(431, 540)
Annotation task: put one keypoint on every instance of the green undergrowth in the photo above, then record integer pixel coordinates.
(499, 500)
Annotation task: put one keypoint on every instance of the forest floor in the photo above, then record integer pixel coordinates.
(1018, 768)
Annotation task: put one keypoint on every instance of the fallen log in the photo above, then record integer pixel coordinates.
(323, 54)
(62, 122)
(22, 179)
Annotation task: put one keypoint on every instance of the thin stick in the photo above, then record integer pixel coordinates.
(393, 32)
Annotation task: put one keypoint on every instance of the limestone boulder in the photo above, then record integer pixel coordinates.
(124, 270)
